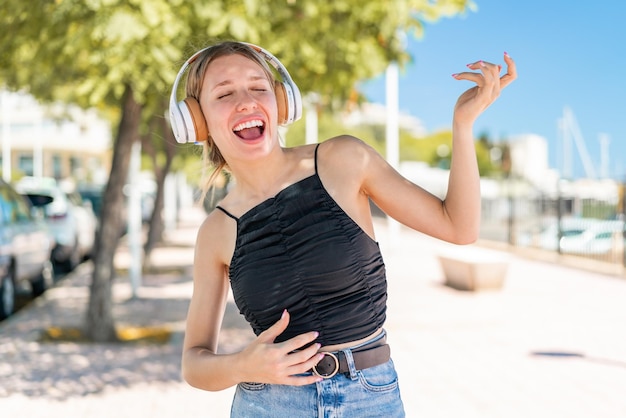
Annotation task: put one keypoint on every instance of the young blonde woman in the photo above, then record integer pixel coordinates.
(294, 240)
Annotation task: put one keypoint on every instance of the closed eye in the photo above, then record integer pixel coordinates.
(262, 85)
(259, 88)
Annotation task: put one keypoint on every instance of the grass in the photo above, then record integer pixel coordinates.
(142, 335)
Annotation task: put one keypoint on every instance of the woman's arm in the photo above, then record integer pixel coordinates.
(262, 361)
(462, 202)
(457, 217)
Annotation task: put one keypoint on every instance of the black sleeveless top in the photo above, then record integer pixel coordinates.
(301, 252)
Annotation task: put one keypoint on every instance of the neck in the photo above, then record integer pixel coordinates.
(261, 177)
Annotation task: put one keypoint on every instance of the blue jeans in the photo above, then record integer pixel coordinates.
(372, 392)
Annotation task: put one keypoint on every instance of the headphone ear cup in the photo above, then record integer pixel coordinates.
(282, 101)
(193, 117)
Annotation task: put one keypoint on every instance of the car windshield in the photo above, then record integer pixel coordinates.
(13, 208)
(46, 187)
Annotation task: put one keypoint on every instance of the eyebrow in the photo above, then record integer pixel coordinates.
(230, 81)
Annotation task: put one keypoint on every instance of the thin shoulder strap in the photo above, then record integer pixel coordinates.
(316, 147)
(227, 212)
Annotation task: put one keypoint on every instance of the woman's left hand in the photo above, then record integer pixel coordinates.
(488, 86)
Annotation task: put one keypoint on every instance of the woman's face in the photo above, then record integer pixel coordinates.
(239, 105)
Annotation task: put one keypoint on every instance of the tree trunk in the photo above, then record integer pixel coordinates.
(100, 326)
(156, 227)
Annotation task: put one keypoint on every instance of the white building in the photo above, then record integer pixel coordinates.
(57, 141)
(375, 114)
(529, 160)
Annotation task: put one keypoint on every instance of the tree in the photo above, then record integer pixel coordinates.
(122, 55)
(162, 161)
(114, 55)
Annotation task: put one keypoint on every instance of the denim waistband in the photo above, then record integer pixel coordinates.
(380, 338)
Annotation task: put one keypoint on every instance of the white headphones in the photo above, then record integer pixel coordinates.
(188, 122)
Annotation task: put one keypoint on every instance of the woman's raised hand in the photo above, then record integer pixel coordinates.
(489, 83)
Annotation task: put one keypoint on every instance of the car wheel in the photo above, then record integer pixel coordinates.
(7, 296)
(71, 262)
(75, 258)
(44, 281)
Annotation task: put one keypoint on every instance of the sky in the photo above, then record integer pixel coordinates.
(569, 54)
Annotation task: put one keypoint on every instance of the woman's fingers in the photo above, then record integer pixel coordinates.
(296, 343)
(489, 71)
(511, 71)
(304, 360)
(270, 334)
(488, 85)
(474, 77)
(281, 362)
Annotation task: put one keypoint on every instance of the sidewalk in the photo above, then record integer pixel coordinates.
(551, 343)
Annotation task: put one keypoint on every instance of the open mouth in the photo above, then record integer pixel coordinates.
(251, 129)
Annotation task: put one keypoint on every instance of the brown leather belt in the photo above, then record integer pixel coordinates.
(364, 358)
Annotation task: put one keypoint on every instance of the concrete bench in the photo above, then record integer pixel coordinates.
(473, 269)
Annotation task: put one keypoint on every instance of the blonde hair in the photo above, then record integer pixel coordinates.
(211, 154)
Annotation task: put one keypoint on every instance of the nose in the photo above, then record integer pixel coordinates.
(246, 101)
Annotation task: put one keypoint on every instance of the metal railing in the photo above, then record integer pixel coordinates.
(583, 222)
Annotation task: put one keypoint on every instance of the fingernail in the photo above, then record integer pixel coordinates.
(317, 334)
(468, 65)
(455, 75)
(482, 64)
(320, 356)
(284, 313)
(506, 53)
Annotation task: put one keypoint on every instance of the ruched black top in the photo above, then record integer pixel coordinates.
(301, 252)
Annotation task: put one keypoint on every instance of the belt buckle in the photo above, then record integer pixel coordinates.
(331, 374)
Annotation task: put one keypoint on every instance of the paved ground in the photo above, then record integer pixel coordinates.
(551, 343)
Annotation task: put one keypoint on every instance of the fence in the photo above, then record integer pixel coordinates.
(584, 219)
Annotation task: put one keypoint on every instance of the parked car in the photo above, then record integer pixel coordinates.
(547, 237)
(600, 238)
(570, 227)
(26, 245)
(70, 218)
(94, 193)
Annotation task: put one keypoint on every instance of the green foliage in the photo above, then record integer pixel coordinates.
(429, 149)
(86, 51)
(344, 41)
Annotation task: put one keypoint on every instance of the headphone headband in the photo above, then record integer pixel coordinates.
(188, 122)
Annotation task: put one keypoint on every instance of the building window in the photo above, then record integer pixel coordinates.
(57, 166)
(25, 164)
(75, 165)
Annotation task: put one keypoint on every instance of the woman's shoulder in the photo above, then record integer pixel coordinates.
(211, 223)
(346, 150)
(336, 144)
(342, 155)
(214, 233)
(344, 140)
(346, 144)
